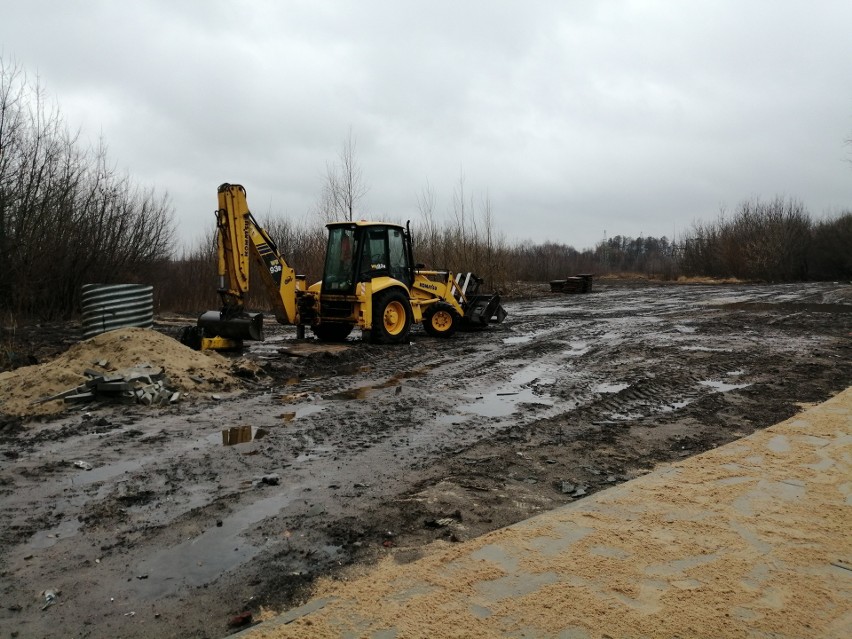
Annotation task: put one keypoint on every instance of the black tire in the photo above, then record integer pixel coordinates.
(391, 317)
(441, 320)
(332, 332)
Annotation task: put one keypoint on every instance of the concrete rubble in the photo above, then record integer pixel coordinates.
(141, 384)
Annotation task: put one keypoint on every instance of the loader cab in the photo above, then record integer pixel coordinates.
(359, 251)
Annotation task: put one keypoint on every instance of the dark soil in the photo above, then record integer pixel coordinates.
(378, 450)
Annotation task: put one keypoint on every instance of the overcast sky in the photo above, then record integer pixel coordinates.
(574, 118)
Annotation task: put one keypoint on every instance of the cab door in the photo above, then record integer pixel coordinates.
(385, 254)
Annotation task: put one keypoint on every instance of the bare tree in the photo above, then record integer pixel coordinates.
(344, 184)
(431, 233)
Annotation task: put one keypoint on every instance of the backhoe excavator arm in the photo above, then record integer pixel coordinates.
(241, 239)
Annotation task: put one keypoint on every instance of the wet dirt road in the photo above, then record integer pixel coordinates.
(374, 450)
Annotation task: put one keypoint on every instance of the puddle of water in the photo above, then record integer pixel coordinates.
(673, 406)
(609, 388)
(204, 558)
(240, 435)
(624, 417)
(304, 411)
(722, 387)
(520, 390)
(736, 373)
(520, 339)
(315, 453)
(504, 404)
(362, 392)
(47, 538)
(108, 471)
(577, 349)
(354, 393)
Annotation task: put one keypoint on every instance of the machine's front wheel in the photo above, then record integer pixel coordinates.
(440, 320)
(391, 317)
(332, 332)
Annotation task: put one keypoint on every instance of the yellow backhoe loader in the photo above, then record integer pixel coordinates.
(370, 281)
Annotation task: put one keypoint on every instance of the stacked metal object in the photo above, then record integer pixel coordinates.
(576, 284)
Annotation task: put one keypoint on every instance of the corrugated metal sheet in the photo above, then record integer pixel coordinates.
(107, 307)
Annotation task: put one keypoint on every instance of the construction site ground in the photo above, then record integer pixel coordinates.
(363, 453)
(750, 539)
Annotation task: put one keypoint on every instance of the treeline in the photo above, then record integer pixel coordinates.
(775, 240)
(67, 217)
(766, 241)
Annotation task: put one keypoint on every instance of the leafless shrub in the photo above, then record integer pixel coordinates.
(66, 215)
(763, 240)
(830, 254)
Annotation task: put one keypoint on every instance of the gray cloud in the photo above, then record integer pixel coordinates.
(574, 118)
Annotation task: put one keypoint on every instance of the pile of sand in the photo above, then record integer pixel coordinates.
(187, 370)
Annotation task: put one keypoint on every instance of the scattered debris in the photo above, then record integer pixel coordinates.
(142, 384)
(273, 479)
(246, 368)
(566, 487)
(49, 597)
(571, 489)
(240, 620)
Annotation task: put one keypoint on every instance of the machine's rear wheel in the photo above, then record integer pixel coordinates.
(440, 320)
(332, 332)
(391, 317)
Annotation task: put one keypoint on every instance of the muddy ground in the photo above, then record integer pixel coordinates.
(369, 451)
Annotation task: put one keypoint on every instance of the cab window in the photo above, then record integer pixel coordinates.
(397, 258)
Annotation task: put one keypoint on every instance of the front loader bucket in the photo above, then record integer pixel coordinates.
(242, 326)
(482, 310)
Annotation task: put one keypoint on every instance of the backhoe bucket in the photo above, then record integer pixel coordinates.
(242, 326)
(482, 310)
